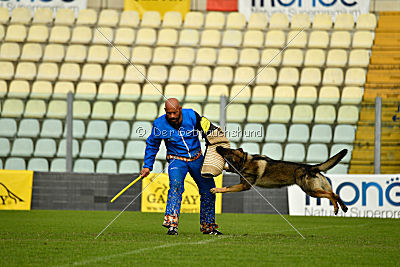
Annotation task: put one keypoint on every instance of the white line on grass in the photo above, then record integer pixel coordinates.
(105, 258)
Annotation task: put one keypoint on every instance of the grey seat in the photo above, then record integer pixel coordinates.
(299, 133)
(339, 169)
(113, 149)
(276, 132)
(135, 150)
(141, 130)
(106, 166)
(78, 129)
(90, 149)
(272, 150)
(8, 127)
(119, 130)
(233, 132)
(129, 166)
(96, 129)
(317, 153)
(253, 132)
(45, 148)
(251, 148)
(22, 147)
(321, 133)
(158, 167)
(38, 164)
(62, 149)
(4, 147)
(294, 152)
(58, 165)
(28, 128)
(15, 164)
(344, 134)
(83, 165)
(338, 147)
(51, 128)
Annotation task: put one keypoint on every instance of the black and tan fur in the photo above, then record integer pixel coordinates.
(263, 171)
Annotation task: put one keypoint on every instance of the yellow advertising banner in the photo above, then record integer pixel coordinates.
(162, 6)
(15, 190)
(154, 198)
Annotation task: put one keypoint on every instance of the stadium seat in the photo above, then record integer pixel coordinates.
(31, 52)
(15, 164)
(363, 39)
(45, 148)
(314, 58)
(58, 165)
(108, 17)
(3, 89)
(35, 108)
(9, 51)
(76, 53)
(38, 34)
(175, 91)
(172, 19)
(91, 72)
(231, 38)
(236, 21)
(359, 58)
(129, 92)
(212, 112)
(193, 20)
(85, 90)
(152, 92)
(318, 39)
(271, 57)
(124, 110)
(321, 133)
(296, 39)
(266, 76)
(340, 39)
(62, 148)
(25, 71)
(344, 134)
(141, 130)
(344, 21)
(53, 53)
(240, 94)
(322, 22)
(52, 128)
(157, 74)
(244, 75)
(201, 74)
(6, 70)
(251, 148)
(272, 150)
(216, 91)
(336, 148)
(280, 113)
(206, 56)
(61, 89)
(38, 165)
(215, 20)
(233, 131)
(298, 133)
(276, 132)
(4, 147)
(292, 58)
(8, 127)
(184, 56)
(249, 57)
(310, 76)
(146, 36)
(253, 132)
(227, 56)
(27, 128)
(2, 31)
(253, 39)
(366, 22)
(339, 169)
(151, 19)
(106, 166)
(303, 114)
(288, 76)
(328, 95)
(64, 16)
(102, 110)
(222, 75)
(135, 150)
(325, 114)
(141, 55)
(124, 36)
(337, 58)
(235, 113)
(317, 153)
(284, 94)
(90, 149)
(179, 74)
(113, 73)
(279, 21)
(162, 152)
(129, 166)
(21, 15)
(129, 18)
(300, 21)
(60, 34)
(96, 129)
(294, 152)
(119, 55)
(69, 72)
(86, 17)
(355, 77)
(257, 21)
(22, 147)
(103, 35)
(18, 89)
(135, 74)
(351, 95)
(189, 37)
(163, 55)
(119, 130)
(348, 114)
(4, 15)
(275, 39)
(333, 76)
(12, 108)
(16, 33)
(113, 149)
(146, 111)
(257, 113)
(210, 38)
(196, 93)
(107, 91)
(84, 166)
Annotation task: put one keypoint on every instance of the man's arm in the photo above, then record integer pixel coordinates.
(152, 146)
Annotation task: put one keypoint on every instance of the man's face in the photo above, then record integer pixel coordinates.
(173, 115)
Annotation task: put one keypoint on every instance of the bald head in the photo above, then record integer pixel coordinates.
(173, 112)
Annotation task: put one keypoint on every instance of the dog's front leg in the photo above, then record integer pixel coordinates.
(230, 189)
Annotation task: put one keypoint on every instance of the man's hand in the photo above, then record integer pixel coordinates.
(145, 172)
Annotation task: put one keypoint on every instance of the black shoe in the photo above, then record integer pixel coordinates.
(172, 231)
(213, 232)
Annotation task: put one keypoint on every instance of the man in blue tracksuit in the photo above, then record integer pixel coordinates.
(179, 129)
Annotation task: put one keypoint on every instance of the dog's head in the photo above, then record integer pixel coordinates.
(235, 157)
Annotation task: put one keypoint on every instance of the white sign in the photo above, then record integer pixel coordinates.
(375, 196)
(75, 5)
(290, 7)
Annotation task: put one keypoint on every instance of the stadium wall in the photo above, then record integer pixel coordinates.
(78, 191)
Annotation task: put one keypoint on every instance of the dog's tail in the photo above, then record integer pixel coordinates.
(330, 163)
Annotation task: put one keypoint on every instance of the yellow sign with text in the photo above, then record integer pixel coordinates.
(162, 6)
(15, 190)
(154, 198)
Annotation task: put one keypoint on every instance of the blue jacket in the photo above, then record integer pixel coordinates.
(180, 142)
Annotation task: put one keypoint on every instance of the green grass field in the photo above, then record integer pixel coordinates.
(66, 238)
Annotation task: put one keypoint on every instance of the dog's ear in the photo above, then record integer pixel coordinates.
(240, 149)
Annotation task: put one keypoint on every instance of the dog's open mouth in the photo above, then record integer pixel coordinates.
(221, 150)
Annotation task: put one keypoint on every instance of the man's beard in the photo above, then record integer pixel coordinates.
(174, 122)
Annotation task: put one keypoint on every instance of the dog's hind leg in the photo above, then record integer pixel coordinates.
(329, 195)
(342, 205)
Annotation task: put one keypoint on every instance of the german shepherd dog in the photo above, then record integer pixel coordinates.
(263, 171)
